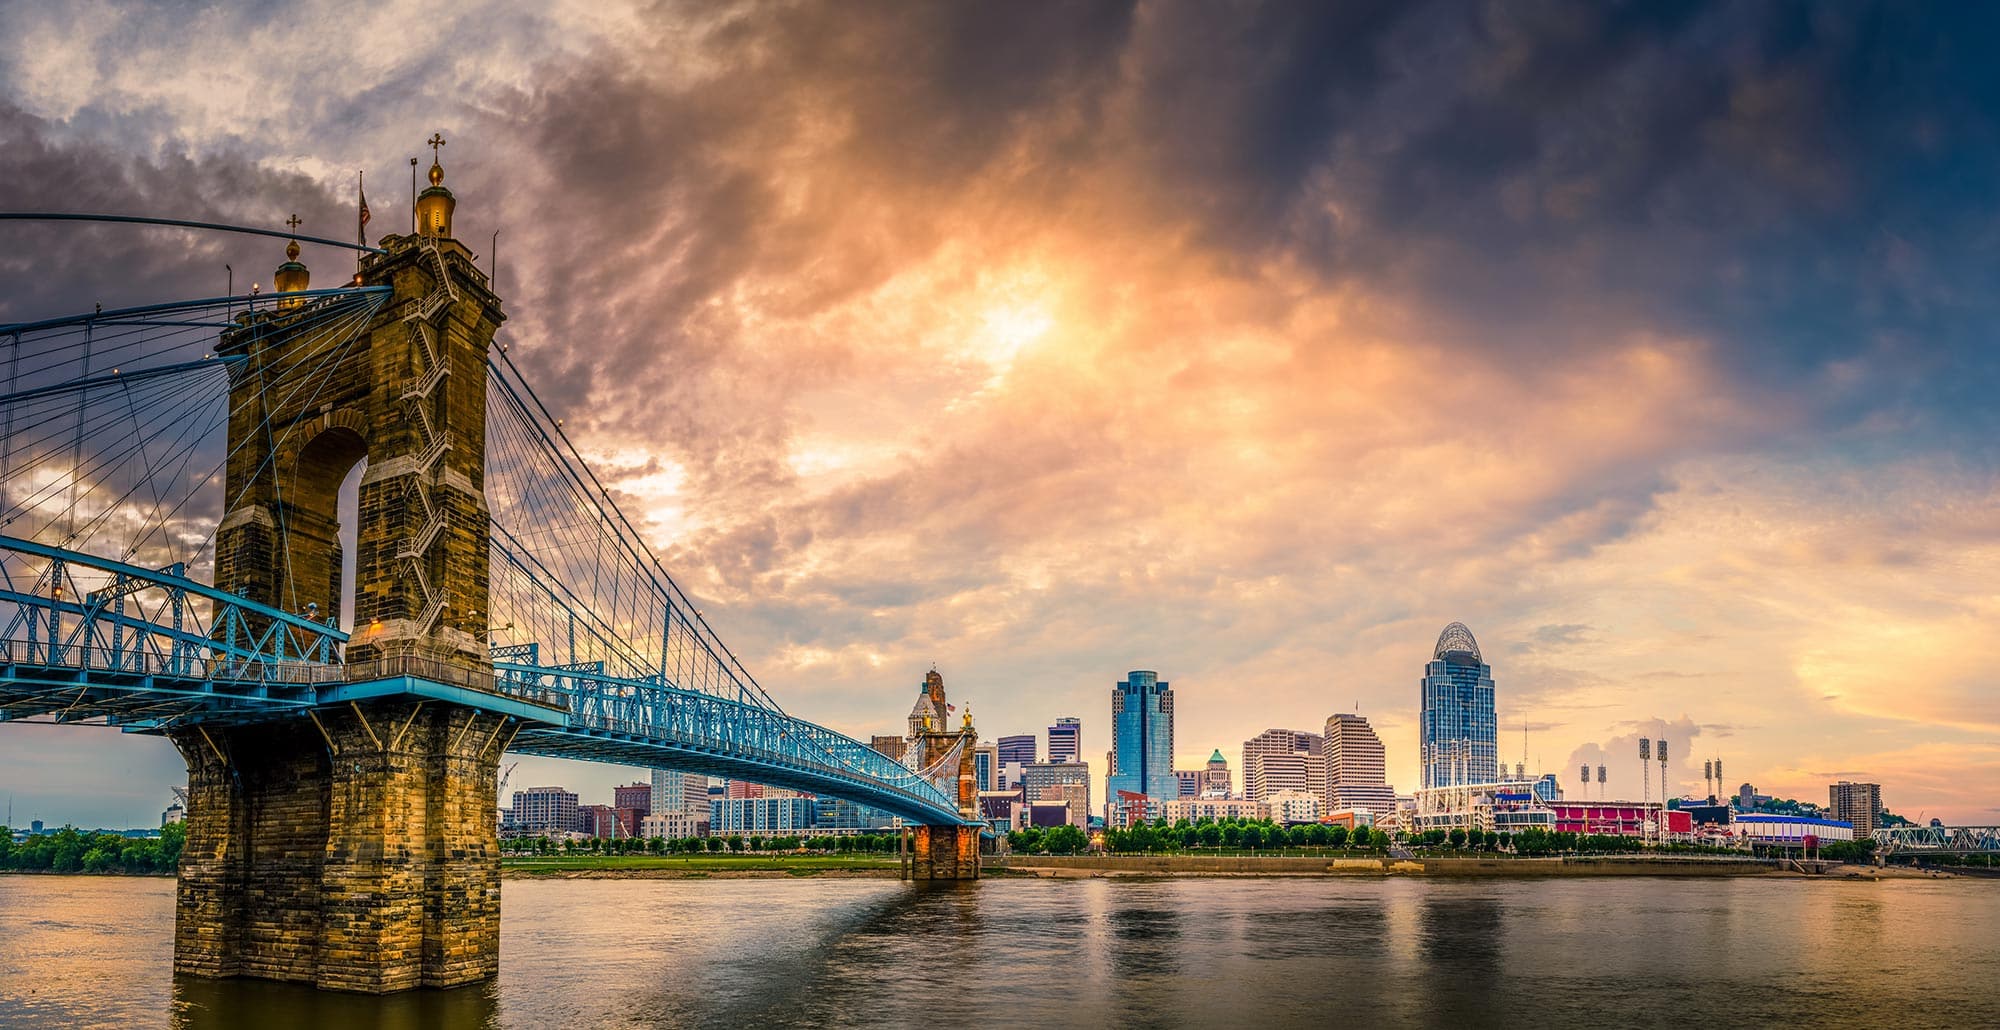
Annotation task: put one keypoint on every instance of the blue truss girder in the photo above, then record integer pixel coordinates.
(650, 724)
(233, 632)
(76, 655)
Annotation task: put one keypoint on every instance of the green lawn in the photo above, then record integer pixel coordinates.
(694, 863)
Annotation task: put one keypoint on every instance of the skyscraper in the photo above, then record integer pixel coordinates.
(679, 793)
(1356, 766)
(1856, 804)
(1066, 740)
(1142, 737)
(1457, 730)
(1017, 749)
(1276, 760)
(986, 767)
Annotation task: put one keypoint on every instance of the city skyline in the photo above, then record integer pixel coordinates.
(1665, 369)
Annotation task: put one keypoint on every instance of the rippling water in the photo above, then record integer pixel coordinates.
(91, 951)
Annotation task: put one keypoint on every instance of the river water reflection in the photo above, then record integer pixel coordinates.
(90, 951)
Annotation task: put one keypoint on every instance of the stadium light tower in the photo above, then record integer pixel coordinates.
(1663, 789)
(1645, 774)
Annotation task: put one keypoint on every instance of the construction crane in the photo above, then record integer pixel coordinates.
(501, 791)
(504, 773)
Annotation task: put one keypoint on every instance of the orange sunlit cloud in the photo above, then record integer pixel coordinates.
(1053, 343)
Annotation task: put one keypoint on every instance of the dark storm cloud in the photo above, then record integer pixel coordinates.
(49, 269)
(1359, 317)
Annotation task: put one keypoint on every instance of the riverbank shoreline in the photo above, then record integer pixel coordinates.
(1078, 867)
(1196, 867)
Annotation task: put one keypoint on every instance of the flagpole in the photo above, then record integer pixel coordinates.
(360, 220)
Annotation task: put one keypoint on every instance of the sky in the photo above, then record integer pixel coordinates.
(1251, 344)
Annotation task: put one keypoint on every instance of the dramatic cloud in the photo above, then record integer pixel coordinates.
(1248, 344)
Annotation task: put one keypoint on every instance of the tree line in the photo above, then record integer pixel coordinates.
(70, 850)
(865, 843)
(1238, 833)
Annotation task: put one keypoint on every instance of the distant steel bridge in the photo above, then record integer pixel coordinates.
(1970, 840)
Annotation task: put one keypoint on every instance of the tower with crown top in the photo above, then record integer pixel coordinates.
(947, 754)
(357, 850)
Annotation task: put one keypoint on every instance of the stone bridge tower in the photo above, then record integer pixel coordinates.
(407, 395)
(946, 852)
(354, 847)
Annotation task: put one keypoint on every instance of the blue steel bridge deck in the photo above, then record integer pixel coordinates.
(147, 650)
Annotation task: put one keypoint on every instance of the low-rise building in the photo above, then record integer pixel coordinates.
(1040, 814)
(636, 796)
(1077, 797)
(673, 825)
(1790, 830)
(1350, 817)
(1293, 807)
(598, 821)
(998, 805)
(762, 816)
(840, 818)
(1127, 808)
(544, 810)
(1215, 809)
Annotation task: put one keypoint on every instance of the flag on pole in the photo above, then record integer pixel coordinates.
(361, 226)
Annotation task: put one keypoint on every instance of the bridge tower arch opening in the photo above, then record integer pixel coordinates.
(347, 505)
(317, 540)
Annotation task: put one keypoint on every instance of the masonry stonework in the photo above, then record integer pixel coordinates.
(355, 847)
(949, 852)
(361, 857)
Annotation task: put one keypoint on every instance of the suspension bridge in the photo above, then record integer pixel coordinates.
(174, 561)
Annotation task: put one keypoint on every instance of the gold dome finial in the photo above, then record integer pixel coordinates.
(435, 204)
(437, 169)
(291, 277)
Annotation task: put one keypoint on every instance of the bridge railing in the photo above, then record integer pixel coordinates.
(218, 668)
(410, 658)
(605, 704)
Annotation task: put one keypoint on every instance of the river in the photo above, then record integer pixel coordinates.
(97, 951)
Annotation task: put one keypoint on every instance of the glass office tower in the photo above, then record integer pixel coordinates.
(1458, 729)
(1142, 738)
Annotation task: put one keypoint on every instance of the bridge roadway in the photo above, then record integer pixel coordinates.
(151, 649)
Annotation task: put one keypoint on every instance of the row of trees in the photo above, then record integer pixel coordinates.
(867, 843)
(1240, 834)
(70, 850)
(1458, 840)
(1056, 840)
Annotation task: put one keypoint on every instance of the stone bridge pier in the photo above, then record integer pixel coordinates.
(353, 851)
